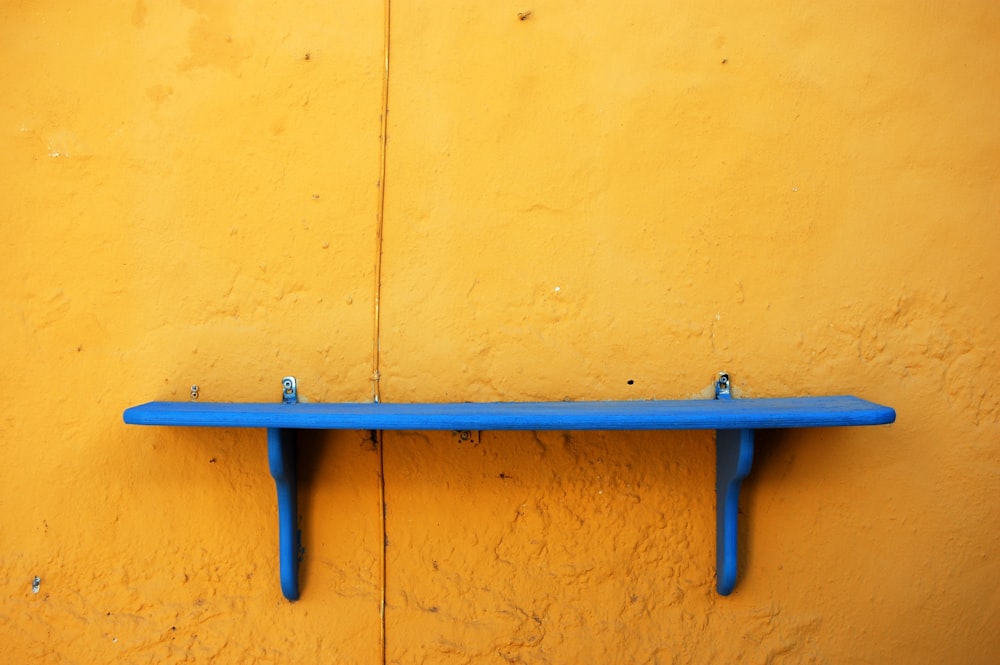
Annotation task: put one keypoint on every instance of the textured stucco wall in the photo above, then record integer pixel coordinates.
(605, 200)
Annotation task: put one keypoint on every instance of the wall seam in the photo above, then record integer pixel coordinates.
(376, 375)
(379, 438)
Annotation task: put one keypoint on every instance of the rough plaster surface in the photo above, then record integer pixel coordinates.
(600, 201)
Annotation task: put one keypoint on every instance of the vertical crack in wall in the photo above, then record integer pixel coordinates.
(379, 440)
(376, 320)
(380, 212)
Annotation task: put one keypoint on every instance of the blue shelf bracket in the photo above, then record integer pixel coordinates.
(281, 458)
(733, 458)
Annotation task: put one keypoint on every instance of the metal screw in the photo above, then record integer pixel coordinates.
(36, 584)
(466, 436)
(289, 390)
(194, 393)
(722, 385)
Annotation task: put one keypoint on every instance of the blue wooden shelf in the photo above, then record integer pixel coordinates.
(734, 421)
(649, 415)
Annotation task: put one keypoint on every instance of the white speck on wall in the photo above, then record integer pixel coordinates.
(557, 289)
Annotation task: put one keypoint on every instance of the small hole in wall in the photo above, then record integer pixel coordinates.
(630, 382)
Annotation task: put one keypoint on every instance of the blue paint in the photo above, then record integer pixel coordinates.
(733, 419)
(733, 459)
(649, 415)
(281, 459)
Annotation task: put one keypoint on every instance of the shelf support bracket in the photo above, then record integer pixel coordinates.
(733, 459)
(281, 458)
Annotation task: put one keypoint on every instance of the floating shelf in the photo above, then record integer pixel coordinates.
(734, 421)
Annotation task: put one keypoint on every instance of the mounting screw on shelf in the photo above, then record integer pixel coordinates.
(194, 393)
(289, 390)
(722, 386)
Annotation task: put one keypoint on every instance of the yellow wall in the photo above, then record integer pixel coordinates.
(607, 200)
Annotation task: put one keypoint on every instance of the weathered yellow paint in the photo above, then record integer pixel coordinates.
(604, 200)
